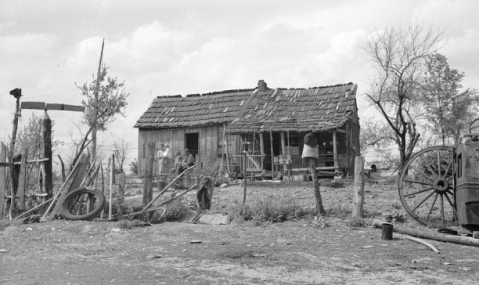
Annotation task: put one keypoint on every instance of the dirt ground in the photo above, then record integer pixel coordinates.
(294, 252)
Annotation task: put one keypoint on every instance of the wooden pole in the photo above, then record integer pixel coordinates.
(253, 152)
(317, 193)
(358, 187)
(272, 152)
(47, 153)
(110, 209)
(121, 194)
(22, 181)
(223, 142)
(244, 174)
(97, 90)
(13, 178)
(227, 155)
(3, 180)
(335, 152)
(148, 180)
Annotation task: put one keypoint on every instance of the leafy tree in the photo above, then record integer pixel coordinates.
(105, 97)
(398, 54)
(448, 110)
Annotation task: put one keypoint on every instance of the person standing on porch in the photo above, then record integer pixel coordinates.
(160, 156)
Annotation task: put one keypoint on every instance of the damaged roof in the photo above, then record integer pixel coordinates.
(256, 110)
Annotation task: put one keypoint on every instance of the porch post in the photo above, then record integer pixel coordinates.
(335, 152)
(272, 152)
(283, 144)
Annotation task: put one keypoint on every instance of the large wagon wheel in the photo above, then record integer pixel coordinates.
(426, 187)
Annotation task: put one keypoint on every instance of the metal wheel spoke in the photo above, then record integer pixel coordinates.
(417, 192)
(423, 174)
(442, 209)
(418, 182)
(432, 206)
(428, 196)
(447, 169)
(452, 205)
(438, 163)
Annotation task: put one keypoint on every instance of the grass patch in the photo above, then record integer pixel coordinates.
(357, 223)
(269, 209)
(338, 211)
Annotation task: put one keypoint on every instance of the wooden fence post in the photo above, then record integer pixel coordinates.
(148, 179)
(3, 180)
(112, 179)
(47, 153)
(121, 194)
(22, 181)
(358, 187)
(317, 193)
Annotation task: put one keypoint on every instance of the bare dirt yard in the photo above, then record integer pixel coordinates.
(333, 251)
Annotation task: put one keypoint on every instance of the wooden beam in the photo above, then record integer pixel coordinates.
(283, 144)
(64, 107)
(32, 106)
(3, 178)
(6, 164)
(22, 180)
(335, 151)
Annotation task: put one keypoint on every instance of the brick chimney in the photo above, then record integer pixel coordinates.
(262, 86)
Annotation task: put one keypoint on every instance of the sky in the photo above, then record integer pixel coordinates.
(183, 47)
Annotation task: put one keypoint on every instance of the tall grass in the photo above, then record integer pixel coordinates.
(269, 209)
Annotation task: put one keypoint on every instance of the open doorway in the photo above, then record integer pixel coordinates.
(192, 143)
(267, 148)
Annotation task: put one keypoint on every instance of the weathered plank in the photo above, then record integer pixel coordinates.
(3, 180)
(22, 181)
(32, 105)
(47, 154)
(65, 107)
(358, 187)
(73, 182)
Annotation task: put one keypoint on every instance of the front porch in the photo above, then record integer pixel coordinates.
(268, 155)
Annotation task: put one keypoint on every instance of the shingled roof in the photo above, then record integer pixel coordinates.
(195, 110)
(255, 110)
(313, 109)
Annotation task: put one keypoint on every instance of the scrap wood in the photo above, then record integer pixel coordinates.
(421, 241)
(159, 207)
(33, 209)
(430, 235)
(166, 188)
(68, 181)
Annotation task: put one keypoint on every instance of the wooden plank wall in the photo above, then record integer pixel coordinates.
(209, 138)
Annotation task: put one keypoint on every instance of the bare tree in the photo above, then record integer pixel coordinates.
(398, 55)
(121, 147)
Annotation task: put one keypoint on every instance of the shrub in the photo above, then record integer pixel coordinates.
(269, 210)
(175, 211)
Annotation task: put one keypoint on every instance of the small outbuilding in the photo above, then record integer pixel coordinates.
(268, 123)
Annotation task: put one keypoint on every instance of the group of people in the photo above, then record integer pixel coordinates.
(181, 162)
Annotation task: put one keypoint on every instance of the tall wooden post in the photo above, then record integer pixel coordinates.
(283, 144)
(121, 194)
(3, 180)
(335, 152)
(317, 193)
(272, 152)
(358, 187)
(148, 179)
(47, 153)
(112, 175)
(17, 93)
(22, 181)
(245, 154)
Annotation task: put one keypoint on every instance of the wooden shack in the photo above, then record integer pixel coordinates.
(270, 122)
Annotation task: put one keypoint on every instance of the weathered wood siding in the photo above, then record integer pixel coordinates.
(209, 139)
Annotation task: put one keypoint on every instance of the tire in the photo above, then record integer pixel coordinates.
(94, 197)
